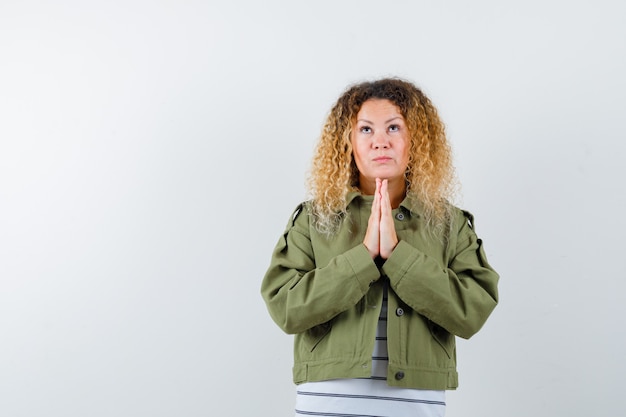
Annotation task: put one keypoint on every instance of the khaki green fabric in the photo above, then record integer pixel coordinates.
(328, 292)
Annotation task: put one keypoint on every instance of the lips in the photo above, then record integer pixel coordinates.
(382, 159)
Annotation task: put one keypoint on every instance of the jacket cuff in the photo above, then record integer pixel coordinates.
(399, 262)
(365, 270)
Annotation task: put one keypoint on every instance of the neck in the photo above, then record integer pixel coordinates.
(396, 189)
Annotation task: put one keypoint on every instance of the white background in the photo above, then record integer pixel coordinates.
(152, 151)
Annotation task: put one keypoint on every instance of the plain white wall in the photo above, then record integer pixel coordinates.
(152, 151)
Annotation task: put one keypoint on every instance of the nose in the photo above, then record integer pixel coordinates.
(380, 141)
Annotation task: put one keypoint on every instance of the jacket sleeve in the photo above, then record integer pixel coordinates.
(458, 298)
(298, 293)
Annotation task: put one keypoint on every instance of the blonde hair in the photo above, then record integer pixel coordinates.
(429, 176)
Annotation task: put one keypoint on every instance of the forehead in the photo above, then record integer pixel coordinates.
(376, 107)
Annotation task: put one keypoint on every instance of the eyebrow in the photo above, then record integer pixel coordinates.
(386, 121)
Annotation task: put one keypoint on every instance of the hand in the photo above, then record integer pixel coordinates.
(388, 236)
(372, 234)
(380, 237)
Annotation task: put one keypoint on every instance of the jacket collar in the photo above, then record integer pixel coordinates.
(409, 205)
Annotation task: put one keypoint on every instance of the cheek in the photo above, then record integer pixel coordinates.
(405, 155)
(356, 152)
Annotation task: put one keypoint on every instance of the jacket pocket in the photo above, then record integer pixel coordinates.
(443, 338)
(318, 333)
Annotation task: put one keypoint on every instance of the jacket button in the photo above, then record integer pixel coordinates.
(400, 216)
(399, 311)
(399, 375)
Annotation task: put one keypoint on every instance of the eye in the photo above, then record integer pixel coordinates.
(365, 129)
(394, 128)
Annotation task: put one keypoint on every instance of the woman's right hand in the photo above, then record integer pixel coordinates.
(380, 237)
(372, 235)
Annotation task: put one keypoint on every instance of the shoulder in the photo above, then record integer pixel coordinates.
(461, 219)
(299, 218)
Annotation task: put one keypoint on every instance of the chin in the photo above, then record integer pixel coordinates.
(388, 176)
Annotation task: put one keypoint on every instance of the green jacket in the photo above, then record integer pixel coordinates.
(328, 292)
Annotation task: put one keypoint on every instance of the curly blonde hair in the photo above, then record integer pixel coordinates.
(429, 176)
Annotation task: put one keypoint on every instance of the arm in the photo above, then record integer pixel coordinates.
(458, 298)
(299, 294)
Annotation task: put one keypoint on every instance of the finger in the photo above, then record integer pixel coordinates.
(384, 194)
(372, 234)
(388, 236)
(377, 199)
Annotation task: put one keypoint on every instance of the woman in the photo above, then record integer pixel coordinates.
(378, 272)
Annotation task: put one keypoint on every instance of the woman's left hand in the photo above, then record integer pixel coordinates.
(380, 237)
(388, 236)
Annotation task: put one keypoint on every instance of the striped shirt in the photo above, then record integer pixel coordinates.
(368, 397)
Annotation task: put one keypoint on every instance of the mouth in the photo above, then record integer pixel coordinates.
(382, 159)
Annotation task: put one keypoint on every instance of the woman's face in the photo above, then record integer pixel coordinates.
(380, 142)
